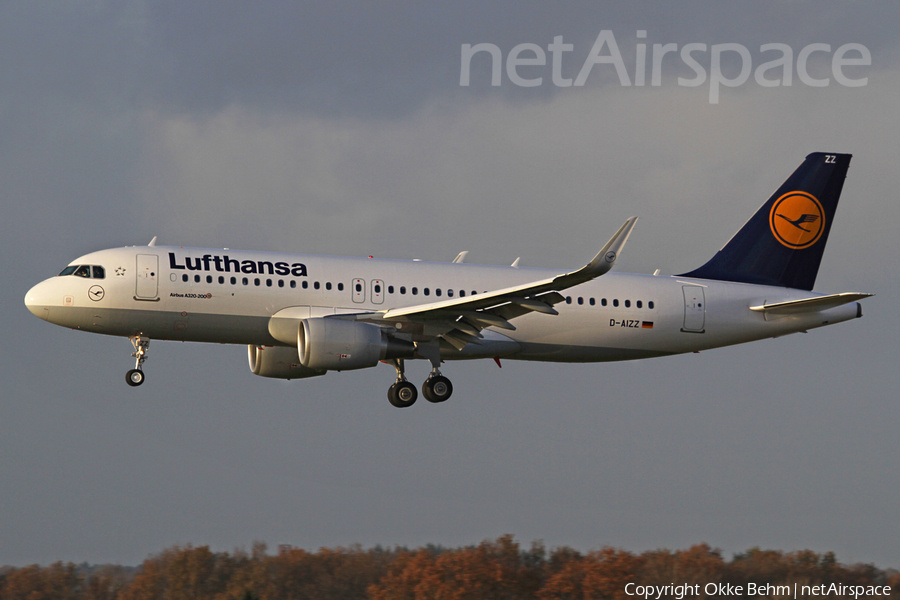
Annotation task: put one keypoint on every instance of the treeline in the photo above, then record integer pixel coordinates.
(498, 569)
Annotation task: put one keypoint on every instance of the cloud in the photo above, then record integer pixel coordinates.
(492, 175)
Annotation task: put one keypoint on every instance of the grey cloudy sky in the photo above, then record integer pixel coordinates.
(341, 128)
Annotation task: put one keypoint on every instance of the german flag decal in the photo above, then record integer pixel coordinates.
(646, 324)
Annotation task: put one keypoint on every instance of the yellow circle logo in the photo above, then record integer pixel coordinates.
(797, 220)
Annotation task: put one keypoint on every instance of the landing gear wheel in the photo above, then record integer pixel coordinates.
(437, 389)
(402, 394)
(134, 377)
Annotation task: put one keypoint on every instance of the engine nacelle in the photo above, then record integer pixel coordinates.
(339, 345)
(279, 362)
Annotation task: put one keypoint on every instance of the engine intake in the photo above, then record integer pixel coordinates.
(279, 362)
(340, 345)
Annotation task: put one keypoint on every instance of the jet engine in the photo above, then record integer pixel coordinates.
(340, 345)
(280, 362)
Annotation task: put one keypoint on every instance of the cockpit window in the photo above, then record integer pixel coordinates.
(86, 271)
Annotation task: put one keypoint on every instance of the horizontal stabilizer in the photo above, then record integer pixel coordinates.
(808, 305)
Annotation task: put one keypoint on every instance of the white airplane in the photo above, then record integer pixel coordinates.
(302, 316)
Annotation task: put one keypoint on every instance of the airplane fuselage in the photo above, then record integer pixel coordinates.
(231, 297)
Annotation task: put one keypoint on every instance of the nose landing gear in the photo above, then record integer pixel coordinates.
(135, 376)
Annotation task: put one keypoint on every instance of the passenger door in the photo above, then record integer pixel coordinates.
(147, 287)
(694, 308)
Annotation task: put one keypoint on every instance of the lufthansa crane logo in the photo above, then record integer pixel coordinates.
(797, 220)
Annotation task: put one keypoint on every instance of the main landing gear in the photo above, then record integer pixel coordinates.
(437, 388)
(135, 376)
(402, 394)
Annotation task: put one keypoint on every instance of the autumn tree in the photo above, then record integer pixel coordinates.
(182, 574)
(57, 582)
(600, 574)
(492, 570)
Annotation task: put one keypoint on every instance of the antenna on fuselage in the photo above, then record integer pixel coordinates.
(153, 241)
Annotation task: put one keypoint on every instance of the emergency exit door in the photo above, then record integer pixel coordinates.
(359, 290)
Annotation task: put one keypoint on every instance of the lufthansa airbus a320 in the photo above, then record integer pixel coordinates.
(302, 315)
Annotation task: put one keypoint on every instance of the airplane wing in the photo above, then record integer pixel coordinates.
(459, 321)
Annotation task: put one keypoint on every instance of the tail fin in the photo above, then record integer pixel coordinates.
(782, 243)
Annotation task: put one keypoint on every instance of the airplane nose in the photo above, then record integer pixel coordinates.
(38, 302)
